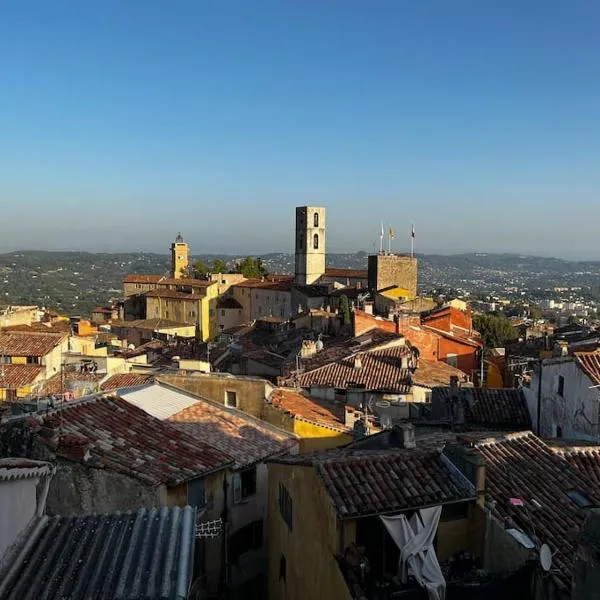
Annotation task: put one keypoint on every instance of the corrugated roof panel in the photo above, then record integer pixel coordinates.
(159, 401)
(144, 555)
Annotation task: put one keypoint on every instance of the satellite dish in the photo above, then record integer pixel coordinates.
(386, 421)
(546, 557)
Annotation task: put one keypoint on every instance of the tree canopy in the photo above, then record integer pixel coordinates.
(345, 309)
(495, 329)
(251, 268)
(200, 269)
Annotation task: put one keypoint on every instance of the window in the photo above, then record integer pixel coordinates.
(300, 241)
(282, 568)
(579, 498)
(246, 539)
(561, 385)
(316, 241)
(223, 313)
(452, 360)
(558, 431)
(316, 219)
(244, 485)
(285, 505)
(231, 399)
(196, 493)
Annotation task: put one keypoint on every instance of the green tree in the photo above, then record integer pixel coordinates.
(200, 269)
(535, 312)
(219, 266)
(495, 329)
(345, 309)
(251, 268)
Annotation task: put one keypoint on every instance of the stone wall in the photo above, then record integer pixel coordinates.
(386, 270)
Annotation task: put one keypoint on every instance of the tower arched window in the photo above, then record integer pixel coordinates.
(316, 219)
(316, 241)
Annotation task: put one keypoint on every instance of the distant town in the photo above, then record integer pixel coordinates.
(349, 426)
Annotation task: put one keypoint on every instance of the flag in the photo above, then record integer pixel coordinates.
(382, 232)
(392, 232)
(412, 233)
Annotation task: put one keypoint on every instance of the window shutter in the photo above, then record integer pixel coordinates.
(237, 488)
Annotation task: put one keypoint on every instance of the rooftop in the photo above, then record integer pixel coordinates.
(302, 406)
(589, 363)
(503, 408)
(363, 483)
(125, 380)
(162, 280)
(21, 343)
(147, 554)
(348, 273)
(153, 324)
(110, 433)
(433, 373)
(379, 370)
(23, 468)
(16, 376)
(278, 284)
(172, 294)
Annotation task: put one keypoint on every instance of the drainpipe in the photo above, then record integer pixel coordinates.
(539, 399)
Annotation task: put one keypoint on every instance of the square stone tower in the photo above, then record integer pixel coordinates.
(310, 244)
(180, 257)
(386, 270)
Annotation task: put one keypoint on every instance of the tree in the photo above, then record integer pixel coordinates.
(200, 269)
(219, 266)
(535, 312)
(251, 268)
(345, 309)
(495, 329)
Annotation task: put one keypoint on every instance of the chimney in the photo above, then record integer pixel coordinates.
(403, 436)
(404, 361)
(357, 363)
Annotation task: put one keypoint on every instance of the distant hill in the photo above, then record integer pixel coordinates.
(75, 282)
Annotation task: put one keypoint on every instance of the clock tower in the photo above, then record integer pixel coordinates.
(180, 253)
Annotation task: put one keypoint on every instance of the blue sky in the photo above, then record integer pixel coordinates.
(125, 121)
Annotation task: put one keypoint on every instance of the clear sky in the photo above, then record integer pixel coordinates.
(125, 121)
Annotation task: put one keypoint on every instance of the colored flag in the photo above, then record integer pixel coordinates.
(412, 233)
(392, 232)
(382, 231)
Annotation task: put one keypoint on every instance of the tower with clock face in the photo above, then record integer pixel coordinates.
(180, 254)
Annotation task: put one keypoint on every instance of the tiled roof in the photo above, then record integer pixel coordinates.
(20, 343)
(246, 439)
(336, 349)
(380, 370)
(125, 380)
(113, 434)
(146, 554)
(265, 357)
(277, 285)
(522, 466)
(23, 468)
(16, 376)
(369, 482)
(501, 407)
(432, 373)
(172, 294)
(301, 406)
(589, 363)
(42, 327)
(228, 303)
(348, 273)
(160, 279)
(469, 340)
(584, 459)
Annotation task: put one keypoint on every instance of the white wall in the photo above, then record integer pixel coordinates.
(576, 412)
(17, 507)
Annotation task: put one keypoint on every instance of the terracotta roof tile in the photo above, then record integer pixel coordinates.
(21, 343)
(504, 408)
(172, 294)
(433, 373)
(348, 273)
(113, 434)
(589, 363)
(162, 280)
(277, 285)
(379, 370)
(17, 376)
(124, 380)
(309, 409)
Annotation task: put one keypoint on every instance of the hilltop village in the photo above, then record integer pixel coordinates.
(331, 434)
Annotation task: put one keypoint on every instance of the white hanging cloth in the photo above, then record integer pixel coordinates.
(414, 539)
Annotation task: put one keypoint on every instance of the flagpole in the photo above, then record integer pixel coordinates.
(381, 239)
(390, 240)
(412, 242)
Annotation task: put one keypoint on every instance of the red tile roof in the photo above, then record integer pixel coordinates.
(172, 294)
(305, 408)
(589, 363)
(461, 339)
(16, 376)
(374, 482)
(246, 439)
(520, 465)
(278, 285)
(21, 343)
(433, 373)
(162, 280)
(347, 273)
(380, 370)
(503, 408)
(124, 380)
(110, 433)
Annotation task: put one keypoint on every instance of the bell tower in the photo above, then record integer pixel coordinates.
(180, 257)
(310, 244)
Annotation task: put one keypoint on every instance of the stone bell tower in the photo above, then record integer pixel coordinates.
(310, 244)
(180, 257)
